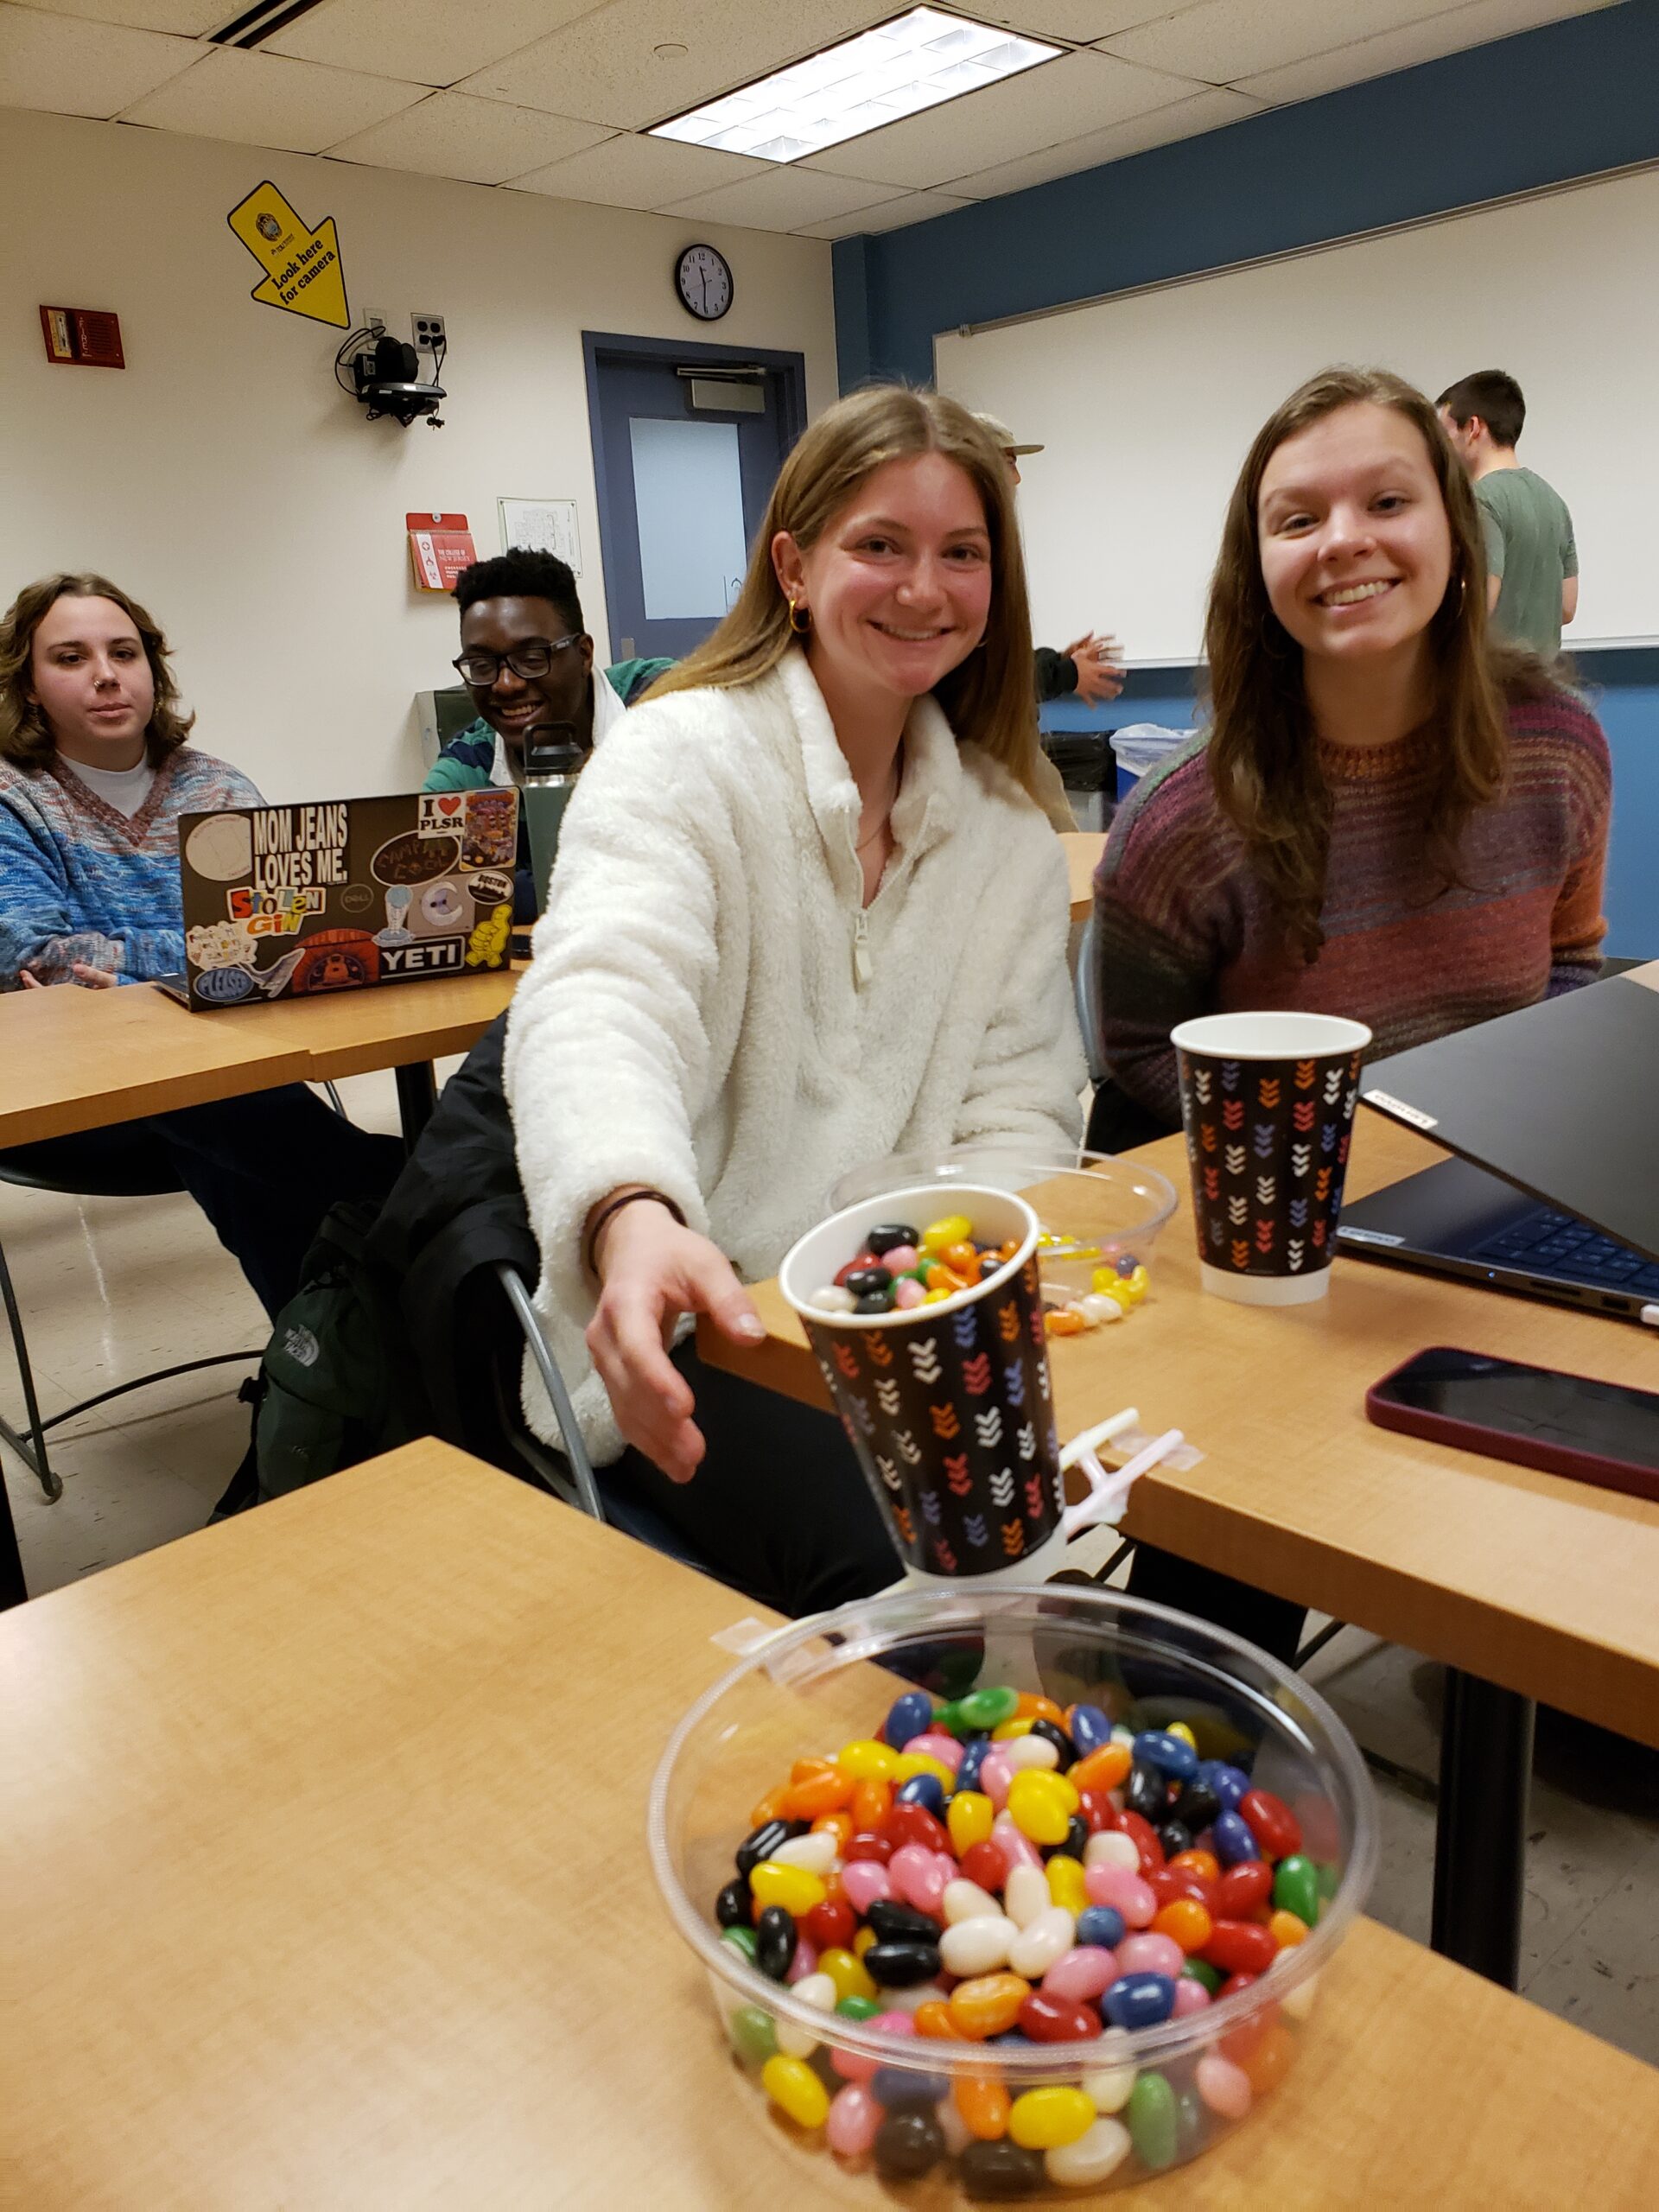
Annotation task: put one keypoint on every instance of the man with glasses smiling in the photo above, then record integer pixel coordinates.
(528, 661)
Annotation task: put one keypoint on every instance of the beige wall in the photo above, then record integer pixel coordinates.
(225, 481)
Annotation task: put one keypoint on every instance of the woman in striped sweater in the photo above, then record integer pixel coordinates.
(1390, 815)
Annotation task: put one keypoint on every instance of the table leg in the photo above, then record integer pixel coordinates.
(1480, 1842)
(417, 1096)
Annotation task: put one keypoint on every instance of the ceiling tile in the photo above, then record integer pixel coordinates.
(1206, 110)
(1080, 20)
(1057, 99)
(481, 142)
(1412, 44)
(188, 17)
(607, 66)
(782, 198)
(889, 215)
(69, 66)
(1222, 41)
(261, 100)
(633, 172)
(429, 42)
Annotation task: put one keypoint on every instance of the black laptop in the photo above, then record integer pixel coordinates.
(1554, 1112)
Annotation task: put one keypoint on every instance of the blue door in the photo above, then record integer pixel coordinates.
(688, 441)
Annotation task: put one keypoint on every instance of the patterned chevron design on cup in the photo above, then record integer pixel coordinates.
(964, 1328)
(881, 1350)
(1007, 1323)
(975, 1530)
(1026, 1440)
(944, 1556)
(865, 1417)
(924, 1362)
(1035, 1498)
(946, 1421)
(932, 1507)
(1002, 1487)
(908, 1448)
(987, 1429)
(890, 1474)
(958, 1479)
(1014, 1384)
(1014, 1538)
(886, 1396)
(976, 1374)
(1267, 1199)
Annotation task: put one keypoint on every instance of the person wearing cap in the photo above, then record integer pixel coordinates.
(1089, 669)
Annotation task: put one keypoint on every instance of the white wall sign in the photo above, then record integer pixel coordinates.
(543, 526)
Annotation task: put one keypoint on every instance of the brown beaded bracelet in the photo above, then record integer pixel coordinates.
(590, 1242)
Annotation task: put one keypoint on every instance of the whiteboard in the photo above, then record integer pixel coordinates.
(1147, 404)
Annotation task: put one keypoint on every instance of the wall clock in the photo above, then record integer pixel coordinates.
(703, 278)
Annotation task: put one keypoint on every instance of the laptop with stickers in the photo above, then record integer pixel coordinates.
(343, 894)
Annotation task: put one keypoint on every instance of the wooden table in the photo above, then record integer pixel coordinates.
(1082, 850)
(1541, 1587)
(325, 1884)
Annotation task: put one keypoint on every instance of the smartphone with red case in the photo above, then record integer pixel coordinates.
(1592, 1432)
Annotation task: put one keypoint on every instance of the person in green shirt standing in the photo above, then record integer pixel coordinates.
(1532, 563)
(528, 661)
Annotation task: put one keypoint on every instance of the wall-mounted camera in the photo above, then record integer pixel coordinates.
(386, 376)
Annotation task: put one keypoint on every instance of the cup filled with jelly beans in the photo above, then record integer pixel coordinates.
(1057, 1931)
(1098, 1217)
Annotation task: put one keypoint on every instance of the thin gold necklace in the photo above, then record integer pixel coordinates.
(887, 811)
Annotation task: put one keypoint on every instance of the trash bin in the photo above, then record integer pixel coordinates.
(1084, 762)
(1142, 745)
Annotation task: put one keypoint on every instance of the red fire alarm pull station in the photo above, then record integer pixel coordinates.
(83, 337)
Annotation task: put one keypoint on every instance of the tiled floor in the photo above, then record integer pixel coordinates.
(112, 1287)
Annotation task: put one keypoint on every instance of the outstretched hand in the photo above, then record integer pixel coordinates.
(1100, 671)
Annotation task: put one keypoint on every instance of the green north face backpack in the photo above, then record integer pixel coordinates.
(337, 1383)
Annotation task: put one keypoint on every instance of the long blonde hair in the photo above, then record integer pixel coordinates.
(989, 699)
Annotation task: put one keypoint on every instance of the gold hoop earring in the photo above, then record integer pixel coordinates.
(800, 618)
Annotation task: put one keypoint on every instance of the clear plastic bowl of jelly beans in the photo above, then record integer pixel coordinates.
(1029, 1891)
(1100, 1216)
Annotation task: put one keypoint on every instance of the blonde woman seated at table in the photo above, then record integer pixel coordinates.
(807, 912)
(94, 775)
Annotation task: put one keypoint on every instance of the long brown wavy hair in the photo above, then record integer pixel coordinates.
(25, 737)
(1262, 751)
(988, 699)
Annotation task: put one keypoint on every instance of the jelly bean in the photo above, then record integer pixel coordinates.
(1049, 1730)
(819, 1992)
(1269, 2063)
(1090, 1728)
(867, 1760)
(900, 2087)
(848, 1972)
(1036, 1808)
(968, 1818)
(912, 1871)
(900, 1966)
(1204, 1864)
(987, 2004)
(1149, 1954)
(1173, 1756)
(804, 1962)
(793, 1887)
(975, 1753)
(965, 1900)
(1046, 2017)
(1147, 1791)
(1153, 2121)
(1235, 1982)
(1296, 1888)
(907, 2144)
(1175, 1837)
(1076, 1838)
(1228, 1783)
(1185, 1922)
(912, 2000)
(1083, 1974)
(1298, 2001)
(742, 1940)
(1234, 1841)
(1037, 1946)
(1094, 2158)
(999, 2172)
(1271, 1821)
(1190, 1997)
(949, 1229)
(1223, 2087)
(871, 1803)
(1175, 1885)
(987, 1708)
(901, 1261)
(982, 1863)
(1118, 1886)
(1043, 2120)
(1100, 1813)
(1104, 1767)
(838, 1825)
(1032, 1751)
(1197, 1806)
(868, 1843)
(754, 2033)
(983, 2103)
(933, 1744)
(853, 2119)
(735, 1906)
(775, 1942)
(907, 1293)
(831, 1298)
(895, 1923)
(830, 1925)
(763, 1840)
(994, 1776)
(815, 1851)
(1329, 1879)
(887, 1234)
(932, 2018)
(1242, 1890)
(860, 1260)
(1240, 1947)
(1101, 1925)
(876, 1301)
(1201, 1971)
(822, 1788)
(911, 1821)
(864, 1880)
(938, 1295)
(1032, 1704)
(858, 2008)
(962, 1260)
(1097, 1309)
(1146, 1842)
(1139, 2000)
(1287, 1931)
(1108, 2085)
(1137, 1284)
(796, 2089)
(1026, 1894)
(1066, 1883)
(1111, 1847)
(906, 1764)
(1017, 1849)
(978, 1946)
(1009, 1731)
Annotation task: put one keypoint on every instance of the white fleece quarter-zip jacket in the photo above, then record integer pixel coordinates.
(711, 1010)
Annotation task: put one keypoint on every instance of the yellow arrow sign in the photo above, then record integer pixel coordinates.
(306, 277)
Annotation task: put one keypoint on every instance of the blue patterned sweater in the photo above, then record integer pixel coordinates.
(71, 866)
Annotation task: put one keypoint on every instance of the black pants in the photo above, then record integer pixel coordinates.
(1274, 1624)
(780, 1507)
(264, 1169)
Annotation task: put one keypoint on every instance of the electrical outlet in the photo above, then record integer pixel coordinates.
(375, 322)
(429, 332)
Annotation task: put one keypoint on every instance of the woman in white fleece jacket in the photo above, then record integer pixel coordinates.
(806, 913)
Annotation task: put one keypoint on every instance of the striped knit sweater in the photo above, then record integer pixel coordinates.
(71, 866)
(1182, 925)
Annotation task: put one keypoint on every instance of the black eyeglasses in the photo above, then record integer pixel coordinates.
(530, 660)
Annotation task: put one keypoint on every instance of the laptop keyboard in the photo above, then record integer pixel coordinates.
(1559, 1244)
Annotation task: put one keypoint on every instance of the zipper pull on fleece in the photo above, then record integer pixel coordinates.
(862, 969)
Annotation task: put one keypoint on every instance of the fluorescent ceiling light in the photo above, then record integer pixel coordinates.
(920, 60)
